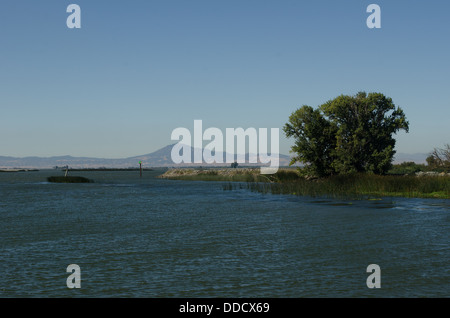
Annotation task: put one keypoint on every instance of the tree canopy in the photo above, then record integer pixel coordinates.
(347, 134)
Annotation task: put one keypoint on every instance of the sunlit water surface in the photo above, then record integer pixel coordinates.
(148, 237)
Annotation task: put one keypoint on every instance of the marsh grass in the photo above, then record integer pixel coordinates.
(234, 186)
(288, 181)
(215, 177)
(231, 175)
(361, 185)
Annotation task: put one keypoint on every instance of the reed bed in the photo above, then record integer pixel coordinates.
(361, 185)
(288, 181)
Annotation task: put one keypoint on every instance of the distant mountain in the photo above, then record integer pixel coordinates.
(159, 158)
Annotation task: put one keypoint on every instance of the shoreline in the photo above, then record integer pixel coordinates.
(18, 170)
(288, 181)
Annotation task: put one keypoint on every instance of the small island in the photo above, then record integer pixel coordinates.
(69, 179)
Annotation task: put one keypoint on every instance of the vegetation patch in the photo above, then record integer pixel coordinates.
(362, 186)
(291, 181)
(69, 179)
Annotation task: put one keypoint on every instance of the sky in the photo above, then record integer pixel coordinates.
(136, 70)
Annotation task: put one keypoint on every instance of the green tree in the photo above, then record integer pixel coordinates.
(314, 140)
(347, 134)
(432, 162)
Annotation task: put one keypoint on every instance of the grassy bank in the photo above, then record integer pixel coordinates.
(232, 175)
(287, 181)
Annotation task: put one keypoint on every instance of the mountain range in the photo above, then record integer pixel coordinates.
(159, 158)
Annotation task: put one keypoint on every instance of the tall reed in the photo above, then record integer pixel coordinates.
(358, 185)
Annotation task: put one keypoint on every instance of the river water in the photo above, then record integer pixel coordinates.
(149, 237)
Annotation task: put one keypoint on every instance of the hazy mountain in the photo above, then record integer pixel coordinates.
(159, 158)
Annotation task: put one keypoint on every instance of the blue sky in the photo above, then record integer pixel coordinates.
(136, 70)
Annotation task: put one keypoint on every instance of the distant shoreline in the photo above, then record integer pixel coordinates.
(17, 170)
(108, 169)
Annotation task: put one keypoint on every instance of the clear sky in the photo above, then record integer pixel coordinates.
(136, 70)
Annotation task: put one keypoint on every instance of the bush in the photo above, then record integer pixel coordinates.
(409, 168)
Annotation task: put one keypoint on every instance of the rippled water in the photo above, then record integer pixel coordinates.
(149, 237)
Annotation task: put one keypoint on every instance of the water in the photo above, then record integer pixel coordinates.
(150, 237)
